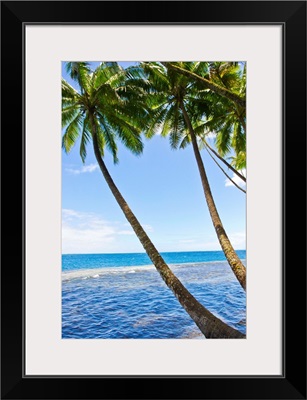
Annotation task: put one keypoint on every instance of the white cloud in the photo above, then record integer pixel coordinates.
(66, 213)
(238, 240)
(84, 232)
(84, 169)
(125, 232)
(236, 179)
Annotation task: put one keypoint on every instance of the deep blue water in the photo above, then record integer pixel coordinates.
(123, 296)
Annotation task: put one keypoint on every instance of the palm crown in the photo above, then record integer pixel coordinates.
(169, 91)
(226, 118)
(105, 104)
(221, 107)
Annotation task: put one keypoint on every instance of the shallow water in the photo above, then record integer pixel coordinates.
(133, 301)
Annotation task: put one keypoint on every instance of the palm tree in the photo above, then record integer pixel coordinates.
(107, 109)
(225, 117)
(175, 97)
(232, 77)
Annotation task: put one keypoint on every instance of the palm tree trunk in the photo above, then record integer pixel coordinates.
(232, 258)
(225, 162)
(208, 84)
(209, 325)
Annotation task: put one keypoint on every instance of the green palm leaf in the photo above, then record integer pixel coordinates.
(72, 133)
(85, 138)
(79, 72)
(109, 137)
(69, 114)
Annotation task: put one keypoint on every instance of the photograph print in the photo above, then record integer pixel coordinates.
(154, 200)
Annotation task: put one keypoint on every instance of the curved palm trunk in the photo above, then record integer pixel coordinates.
(232, 258)
(225, 162)
(208, 324)
(208, 84)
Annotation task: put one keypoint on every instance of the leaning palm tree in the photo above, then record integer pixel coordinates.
(177, 101)
(106, 109)
(226, 118)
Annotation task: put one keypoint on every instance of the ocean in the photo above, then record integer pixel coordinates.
(122, 296)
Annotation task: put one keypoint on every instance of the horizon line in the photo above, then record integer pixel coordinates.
(137, 252)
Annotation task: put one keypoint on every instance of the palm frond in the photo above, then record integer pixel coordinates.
(79, 72)
(185, 142)
(178, 127)
(125, 129)
(239, 161)
(108, 73)
(68, 114)
(85, 139)
(105, 93)
(69, 95)
(157, 74)
(72, 133)
(100, 139)
(109, 137)
(155, 123)
(238, 141)
(223, 139)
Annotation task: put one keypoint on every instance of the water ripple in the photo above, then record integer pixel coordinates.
(125, 304)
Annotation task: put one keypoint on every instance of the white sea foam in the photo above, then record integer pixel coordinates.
(100, 272)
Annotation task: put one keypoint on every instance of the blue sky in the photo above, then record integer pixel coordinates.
(163, 189)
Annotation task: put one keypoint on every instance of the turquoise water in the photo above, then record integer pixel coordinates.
(82, 261)
(123, 296)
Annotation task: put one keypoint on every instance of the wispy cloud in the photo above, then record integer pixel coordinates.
(84, 232)
(238, 240)
(236, 179)
(83, 170)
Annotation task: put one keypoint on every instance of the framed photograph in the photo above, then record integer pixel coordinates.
(127, 263)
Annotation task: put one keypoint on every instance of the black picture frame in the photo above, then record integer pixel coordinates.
(292, 16)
